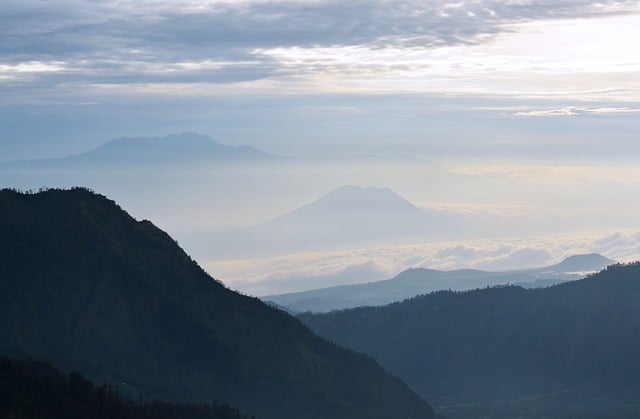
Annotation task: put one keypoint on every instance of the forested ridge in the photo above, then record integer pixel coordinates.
(570, 350)
(88, 288)
(36, 390)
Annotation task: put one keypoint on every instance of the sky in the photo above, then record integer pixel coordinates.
(528, 111)
(322, 76)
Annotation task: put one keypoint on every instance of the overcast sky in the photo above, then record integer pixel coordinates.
(498, 77)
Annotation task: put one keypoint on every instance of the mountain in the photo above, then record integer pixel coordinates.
(86, 287)
(567, 351)
(353, 214)
(349, 201)
(177, 149)
(346, 217)
(579, 264)
(418, 281)
(37, 390)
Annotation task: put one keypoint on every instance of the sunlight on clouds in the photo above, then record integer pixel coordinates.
(184, 89)
(515, 49)
(570, 46)
(578, 57)
(20, 69)
(578, 110)
(193, 6)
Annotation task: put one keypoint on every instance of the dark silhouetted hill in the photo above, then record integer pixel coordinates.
(413, 282)
(36, 390)
(567, 351)
(86, 287)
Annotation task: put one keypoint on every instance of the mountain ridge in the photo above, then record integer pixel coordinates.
(37, 390)
(569, 350)
(416, 281)
(185, 147)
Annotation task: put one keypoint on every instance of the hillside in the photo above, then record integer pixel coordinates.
(36, 390)
(565, 351)
(86, 287)
(413, 282)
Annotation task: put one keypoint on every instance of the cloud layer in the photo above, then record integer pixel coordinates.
(81, 42)
(316, 270)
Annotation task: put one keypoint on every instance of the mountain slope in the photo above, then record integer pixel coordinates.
(36, 390)
(565, 351)
(413, 282)
(85, 286)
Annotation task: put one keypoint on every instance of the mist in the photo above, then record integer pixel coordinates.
(222, 213)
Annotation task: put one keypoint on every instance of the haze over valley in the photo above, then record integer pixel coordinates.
(267, 223)
(312, 209)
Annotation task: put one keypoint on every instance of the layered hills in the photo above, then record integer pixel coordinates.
(86, 287)
(570, 350)
(416, 281)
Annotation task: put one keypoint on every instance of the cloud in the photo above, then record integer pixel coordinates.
(225, 41)
(423, 76)
(578, 110)
(302, 280)
(316, 270)
(522, 258)
(460, 254)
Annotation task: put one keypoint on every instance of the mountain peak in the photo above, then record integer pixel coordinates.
(182, 139)
(186, 147)
(346, 216)
(357, 191)
(350, 198)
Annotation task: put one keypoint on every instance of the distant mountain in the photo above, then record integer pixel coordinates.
(86, 287)
(354, 214)
(350, 201)
(177, 149)
(578, 264)
(36, 390)
(567, 351)
(346, 217)
(413, 282)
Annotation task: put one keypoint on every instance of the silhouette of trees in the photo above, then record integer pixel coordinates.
(35, 390)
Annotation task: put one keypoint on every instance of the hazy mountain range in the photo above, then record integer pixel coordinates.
(566, 351)
(171, 150)
(413, 282)
(87, 287)
(224, 180)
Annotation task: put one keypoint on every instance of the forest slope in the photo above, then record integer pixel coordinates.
(570, 350)
(86, 287)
